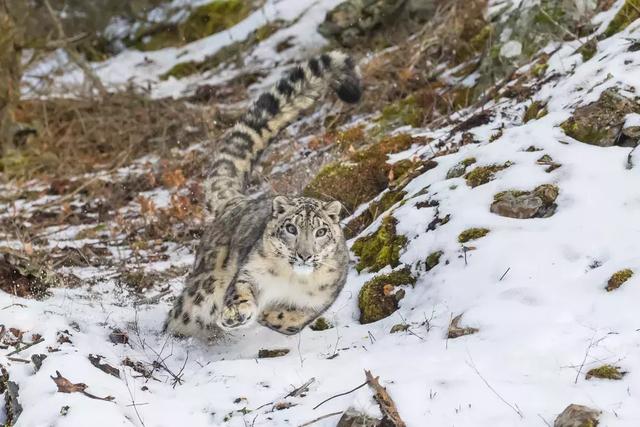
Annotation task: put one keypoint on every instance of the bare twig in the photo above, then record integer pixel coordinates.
(75, 57)
(333, 414)
(512, 406)
(387, 406)
(341, 394)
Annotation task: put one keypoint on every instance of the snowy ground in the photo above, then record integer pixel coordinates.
(533, 287)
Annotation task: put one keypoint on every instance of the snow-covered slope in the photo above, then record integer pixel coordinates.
(534, 288)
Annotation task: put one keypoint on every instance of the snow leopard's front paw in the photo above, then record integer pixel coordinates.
(236, 315)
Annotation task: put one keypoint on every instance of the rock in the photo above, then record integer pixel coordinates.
(352, 21)
(577, 416)
(277, 352)
(460, 168)
(400, 327)
(600, 123)
(321, 324)
(539, 203)
(353, 418)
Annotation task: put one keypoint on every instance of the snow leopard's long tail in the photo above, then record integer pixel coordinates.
(273, 111)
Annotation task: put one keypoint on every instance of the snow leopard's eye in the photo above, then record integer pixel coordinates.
(291, 229)
(321, 232)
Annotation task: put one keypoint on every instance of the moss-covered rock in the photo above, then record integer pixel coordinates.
(483, 174)
(538, 203)
(628, 13)
(534, 111)
(363, 177)
(472, 234)
(320, 324)
(203, 21)
(600, 122)
(433, 260)
(577, 416)
(373, 211)
(618, 279)
(606, 372)
(588, 50)
(460, 168)
(381, 248)
(379, 297)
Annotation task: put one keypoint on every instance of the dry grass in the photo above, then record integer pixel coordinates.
(75, 136)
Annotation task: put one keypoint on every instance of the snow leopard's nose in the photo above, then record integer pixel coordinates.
(304, 257)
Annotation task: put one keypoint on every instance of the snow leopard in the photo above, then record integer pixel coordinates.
(275, 260)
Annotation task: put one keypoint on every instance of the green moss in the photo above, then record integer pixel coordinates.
(363, 177)
(321, 324)
(379, 297)
(373, 211)
(472, 234)
(618, 279)
(628, 13)
(351, 137)
(433, 259)
(403, 112)
(278, 352)
(588, 50)
(483, 174)
(203, 21)
(468, 161)
(213, 17)
(583, 132)
(535, 111)
(381, 248)
(607, 372)
(539, 68)
(350, 183)
(223, 55)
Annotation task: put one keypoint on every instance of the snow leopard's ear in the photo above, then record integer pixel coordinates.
(333, 209)
(280, 205)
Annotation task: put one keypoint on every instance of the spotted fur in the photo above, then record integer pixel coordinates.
(279, 261)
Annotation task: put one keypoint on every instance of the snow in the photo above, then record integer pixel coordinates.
(534, 288)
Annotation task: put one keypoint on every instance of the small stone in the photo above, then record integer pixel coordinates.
(511, 49)
(278, 352)
(577, 416)
(539, 203)
(400, 327)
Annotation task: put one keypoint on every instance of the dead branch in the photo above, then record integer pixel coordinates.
(104, 367)
(387, 406)
(66, 386)
(75, 57)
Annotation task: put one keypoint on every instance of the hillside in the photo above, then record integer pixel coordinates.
(490, 179)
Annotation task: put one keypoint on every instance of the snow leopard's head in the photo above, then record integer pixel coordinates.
(304, 231)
